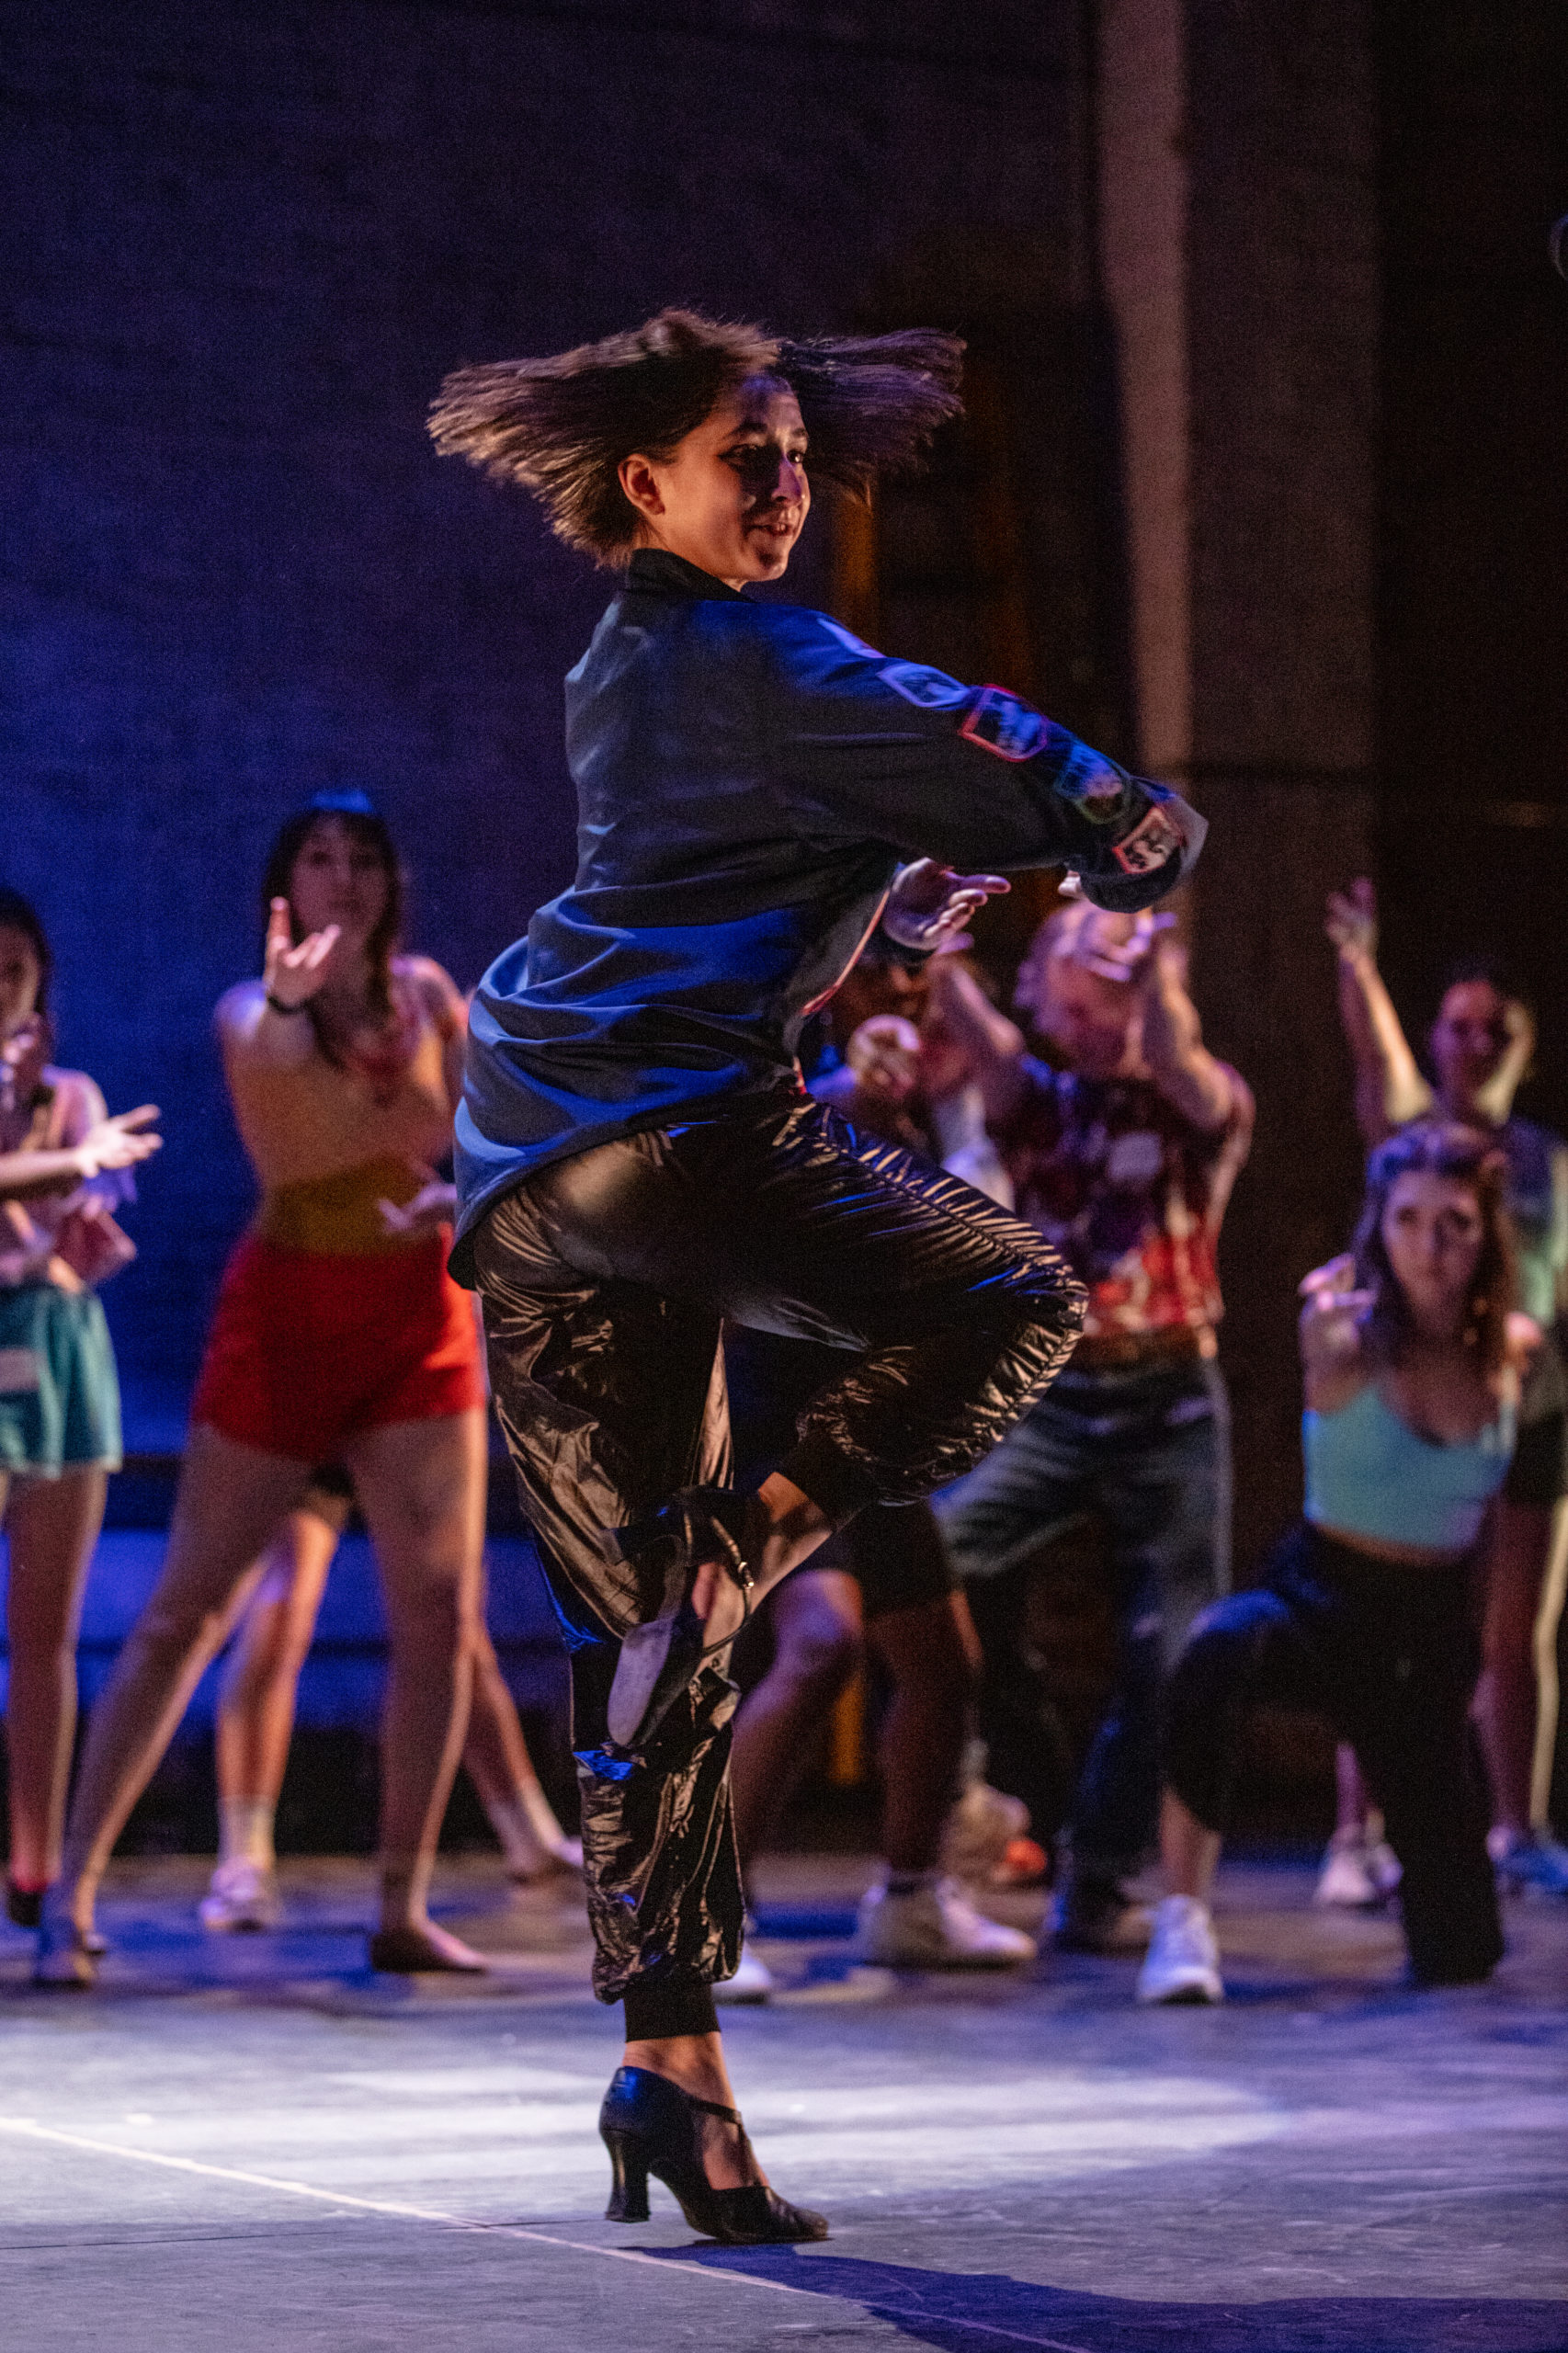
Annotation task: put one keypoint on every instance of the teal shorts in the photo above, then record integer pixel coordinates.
(59, 1390)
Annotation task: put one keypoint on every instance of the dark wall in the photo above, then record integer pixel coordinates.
(1474, 609)
(241, 246)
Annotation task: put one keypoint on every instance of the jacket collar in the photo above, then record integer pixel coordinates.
(655, 571)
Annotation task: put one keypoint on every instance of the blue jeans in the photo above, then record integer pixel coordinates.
(1147, 1452)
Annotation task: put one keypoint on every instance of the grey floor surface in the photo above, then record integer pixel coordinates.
(238, 2144)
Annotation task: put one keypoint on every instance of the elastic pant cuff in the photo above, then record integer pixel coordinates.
(838, 1487)
(669, 2005)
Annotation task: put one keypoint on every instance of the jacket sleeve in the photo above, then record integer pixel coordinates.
(872, 749)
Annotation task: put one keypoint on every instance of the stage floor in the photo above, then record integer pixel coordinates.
(246, 2143)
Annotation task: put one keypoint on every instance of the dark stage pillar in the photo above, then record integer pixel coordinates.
(1238, 242)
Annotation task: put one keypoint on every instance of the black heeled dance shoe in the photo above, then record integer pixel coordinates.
(649, 2125)
(659, 1657)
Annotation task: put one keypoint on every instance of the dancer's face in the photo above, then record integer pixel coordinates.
(1433, 1231)
(1469, 1038)
(734, 497)
(1093, 1023)
(338, 879)
(20, 980)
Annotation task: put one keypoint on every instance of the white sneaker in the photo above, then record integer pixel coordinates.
(1183, 1960)
(243, 1897)
(1359, 1874)
(936, 1926)
(753, 1981)
(980, 1828)
(1534, 1866)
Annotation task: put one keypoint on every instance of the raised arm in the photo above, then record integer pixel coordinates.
(1390, 1089)
(995, 1045)
(971, 778)
(268, 1024)
(1333, 1366)
(1203, 1089)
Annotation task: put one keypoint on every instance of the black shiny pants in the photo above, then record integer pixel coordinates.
(606, 1279)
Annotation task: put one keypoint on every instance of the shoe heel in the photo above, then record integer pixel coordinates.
(629, 2178)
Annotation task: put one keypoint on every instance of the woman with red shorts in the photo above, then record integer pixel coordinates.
(339, 1337)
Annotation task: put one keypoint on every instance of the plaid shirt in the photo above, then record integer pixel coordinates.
(1130, 1192)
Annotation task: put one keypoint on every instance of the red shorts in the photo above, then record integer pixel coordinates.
(307, 1347)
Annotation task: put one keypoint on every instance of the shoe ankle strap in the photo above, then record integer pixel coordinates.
(714, 2108)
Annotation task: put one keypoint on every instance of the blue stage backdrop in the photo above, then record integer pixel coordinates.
(241, 246)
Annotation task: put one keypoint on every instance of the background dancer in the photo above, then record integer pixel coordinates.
(1124, 1160)
(1481, 1044)
(636, 1156)
(334, 1338)
(255, 1722)
(1413, 1368)
(59, 1391)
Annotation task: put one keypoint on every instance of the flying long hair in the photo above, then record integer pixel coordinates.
(562, 425)
(365, 825)
(1466, 1156)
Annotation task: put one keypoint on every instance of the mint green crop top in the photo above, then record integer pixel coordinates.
(1368, 1473)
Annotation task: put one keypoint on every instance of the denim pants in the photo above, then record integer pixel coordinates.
(1147, 1452)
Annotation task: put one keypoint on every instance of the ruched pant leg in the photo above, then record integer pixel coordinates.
(605, 1280)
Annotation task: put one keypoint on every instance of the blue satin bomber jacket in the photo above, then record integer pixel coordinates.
(750, 777)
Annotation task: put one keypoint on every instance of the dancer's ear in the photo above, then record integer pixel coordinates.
(640, 481)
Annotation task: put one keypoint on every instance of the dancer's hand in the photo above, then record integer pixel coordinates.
(930, 904)
(884, 1054)
(1352, 920)
(1335, 1276)
(119, 1142)
(433, 1206)
(292, 975)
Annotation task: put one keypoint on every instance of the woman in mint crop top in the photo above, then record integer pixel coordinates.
(1414, 1363)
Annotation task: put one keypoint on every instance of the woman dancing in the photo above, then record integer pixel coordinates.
(1413, 1380)
(256, 1723)
(1481, 1045)
(335, 1337)
(59, 1392)
(637, 1156)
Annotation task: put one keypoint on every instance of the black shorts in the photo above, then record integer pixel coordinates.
(895, 1551)
(1539, 1473)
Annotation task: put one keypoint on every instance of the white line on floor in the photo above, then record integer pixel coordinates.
(24, 2129)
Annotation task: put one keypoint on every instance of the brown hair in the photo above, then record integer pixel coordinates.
(365, 824)
(1466, 1156)
(563, 426)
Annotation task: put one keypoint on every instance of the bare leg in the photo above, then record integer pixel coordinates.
(791, 1528)
(422, 1487)
(230, 1499)
(52, 1524)
(816, 1622)
(1548, 1695)
(1351, 1803)
(256, 1710)
(1505, 1696)
(933, 1656)
(497, 1762)
(1190, 1853)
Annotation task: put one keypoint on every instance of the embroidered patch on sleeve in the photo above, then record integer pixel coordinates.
(931, 689)
(999, 723)
(1151, 844)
